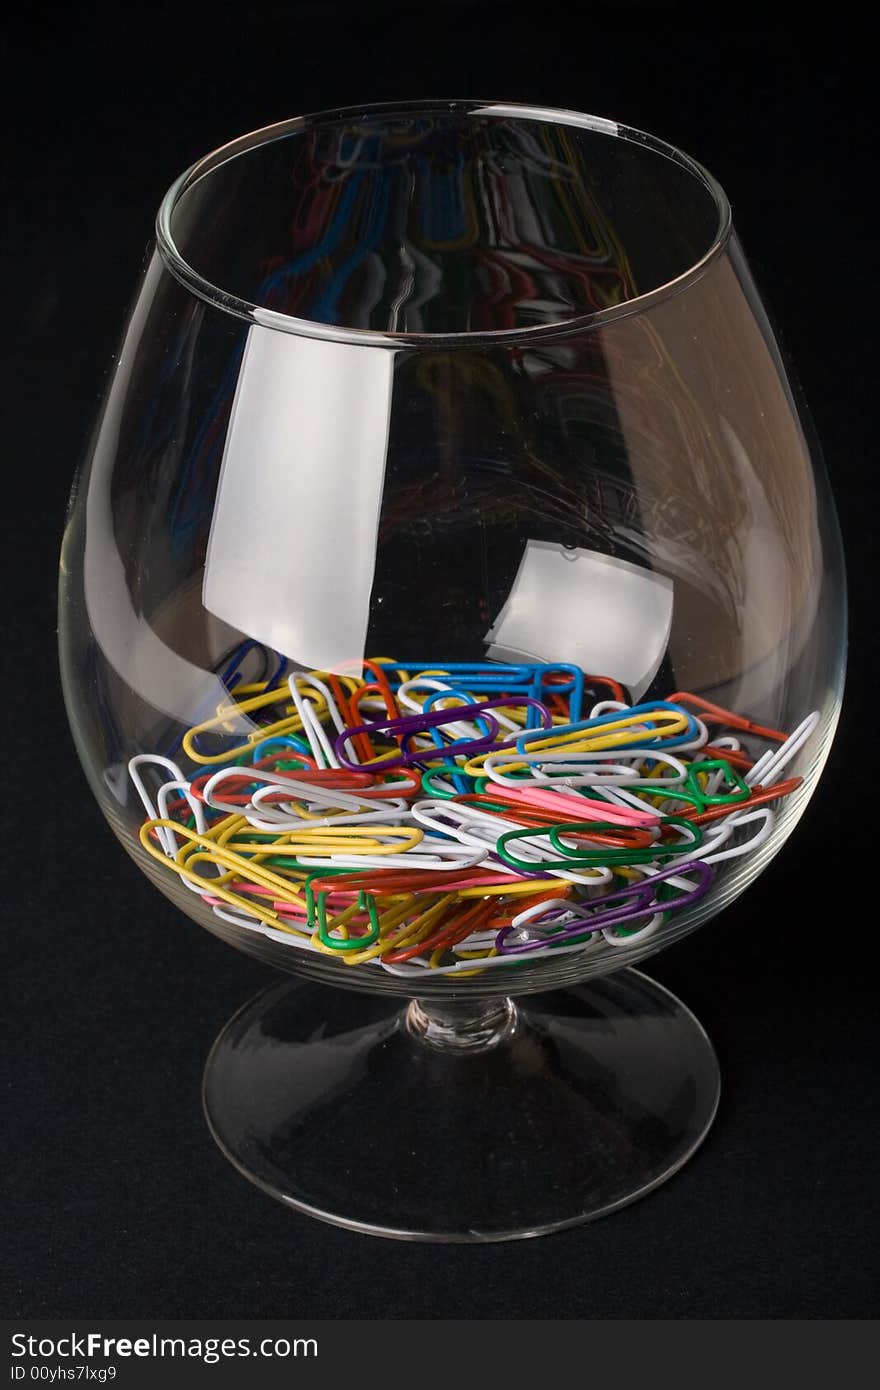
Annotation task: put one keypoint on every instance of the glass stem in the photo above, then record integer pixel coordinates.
(461, 1026)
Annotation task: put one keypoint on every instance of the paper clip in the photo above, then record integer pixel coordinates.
(578, 857)
(711, 850)
(450, 751)
(342, 921)
(232, 674)
(431, 683)
(623, 834)
(404, 923)
(560, 769)
(656, 722)
(699, 796)
(758, 796)
(767, 769)
(374, 689)
(563, 806)
(293, 787)
(527, 678)
(230, 714)
(481, 829)
(436, 785)
(210, 850)
(716, 714)
(444, 936)
(319, 744)
(639, 899)
(165, 836)
(412, 725)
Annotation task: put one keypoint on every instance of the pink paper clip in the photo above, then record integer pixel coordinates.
(566, 805)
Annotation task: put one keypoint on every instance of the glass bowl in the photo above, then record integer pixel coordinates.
(452, 610)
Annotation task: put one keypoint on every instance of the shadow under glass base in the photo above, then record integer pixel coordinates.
(474, 1121)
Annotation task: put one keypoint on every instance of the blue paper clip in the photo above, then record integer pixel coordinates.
(526, 678)
(232, 674)
(490, 673)
(574, 689)
(297, 745)
(460, 782)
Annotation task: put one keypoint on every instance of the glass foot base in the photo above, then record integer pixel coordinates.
(350, 1108)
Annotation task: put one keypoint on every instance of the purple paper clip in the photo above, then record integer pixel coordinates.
(643, 895)
(409, 725)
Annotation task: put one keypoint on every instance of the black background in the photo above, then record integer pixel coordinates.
(120, 1205)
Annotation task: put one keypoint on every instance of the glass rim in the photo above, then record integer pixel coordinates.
(575, 323)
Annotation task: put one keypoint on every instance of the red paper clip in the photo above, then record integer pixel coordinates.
(716, 715)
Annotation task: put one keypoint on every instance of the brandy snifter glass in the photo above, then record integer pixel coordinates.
(452, 611)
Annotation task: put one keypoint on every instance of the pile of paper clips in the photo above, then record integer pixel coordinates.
(457, 817)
